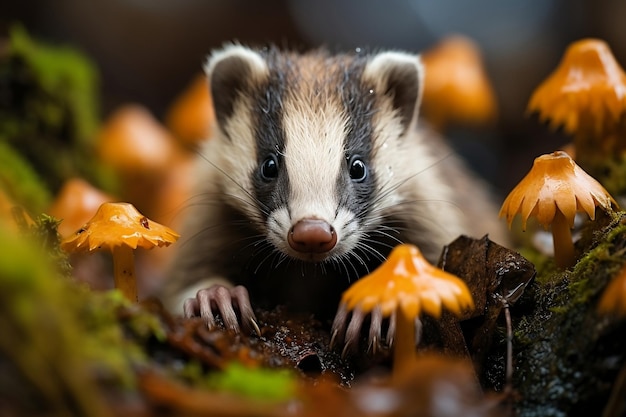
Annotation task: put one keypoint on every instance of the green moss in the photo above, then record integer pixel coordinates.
(20, 182)
(50, 114)
(256, 383)
(64, 73)
(40, 335)
(62, 343)
(111, 343)
(45, 230)
(604, 257)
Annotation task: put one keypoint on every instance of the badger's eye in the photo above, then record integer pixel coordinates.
(358, 169)
(269, 168)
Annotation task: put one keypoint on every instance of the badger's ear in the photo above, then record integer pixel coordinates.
(400, 76)
(232, 72)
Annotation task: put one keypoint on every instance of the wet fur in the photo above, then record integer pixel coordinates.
(315, 111)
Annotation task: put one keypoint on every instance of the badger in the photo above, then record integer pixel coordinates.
(317, 167)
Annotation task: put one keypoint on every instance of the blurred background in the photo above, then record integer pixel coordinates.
(147, 51)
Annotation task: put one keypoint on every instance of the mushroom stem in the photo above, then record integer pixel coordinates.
(404, 344)
(124, 271)
(564, 255)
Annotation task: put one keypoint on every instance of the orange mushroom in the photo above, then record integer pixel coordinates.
(614, 297)
(76, 202)
(191, 116)
(553, 191)
(407, 285)
(175, 190)
(120, 228)
(141, 151)
(586, 94)
(132, 138)
(456, 86)
(169, 201)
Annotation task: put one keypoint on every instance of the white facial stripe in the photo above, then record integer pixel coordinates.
(314, 155)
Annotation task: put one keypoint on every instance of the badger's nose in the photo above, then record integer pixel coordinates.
(312, 236)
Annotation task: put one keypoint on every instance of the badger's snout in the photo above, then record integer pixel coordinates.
(312, 236)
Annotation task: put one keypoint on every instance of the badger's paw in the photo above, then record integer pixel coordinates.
(232, 304)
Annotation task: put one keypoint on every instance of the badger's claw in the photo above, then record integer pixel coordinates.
(351, 341)
(227, 302)
(347, 329)
(338, 327)
(376, 324)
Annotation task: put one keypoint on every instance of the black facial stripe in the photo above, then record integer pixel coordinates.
(359, 105)
(270, 136)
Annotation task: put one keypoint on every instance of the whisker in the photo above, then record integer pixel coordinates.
(271, 256)
(342, 264)
(263, 207)
(248, 202)
(345, 261)
(258, 243)
(232, 224)
(370, 249)
(388, 188)
(281, 259)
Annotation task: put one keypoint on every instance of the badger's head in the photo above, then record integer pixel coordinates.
(308, 143)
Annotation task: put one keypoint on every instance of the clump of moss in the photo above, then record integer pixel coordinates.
(40, 336)
(62, 74)
(48, 109)
(20, 181)
(254, 383)
(62, 344)
(45, 231)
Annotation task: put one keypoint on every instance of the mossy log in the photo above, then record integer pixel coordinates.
(566, 354)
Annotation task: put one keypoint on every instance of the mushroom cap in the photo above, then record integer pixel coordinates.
(191, 116)
(614, 297)
(555, 182)
(118, 224)
(132, 141)
(76, 203)
(175, 189)
(406, 281)
(456, 85)
(587, 80)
